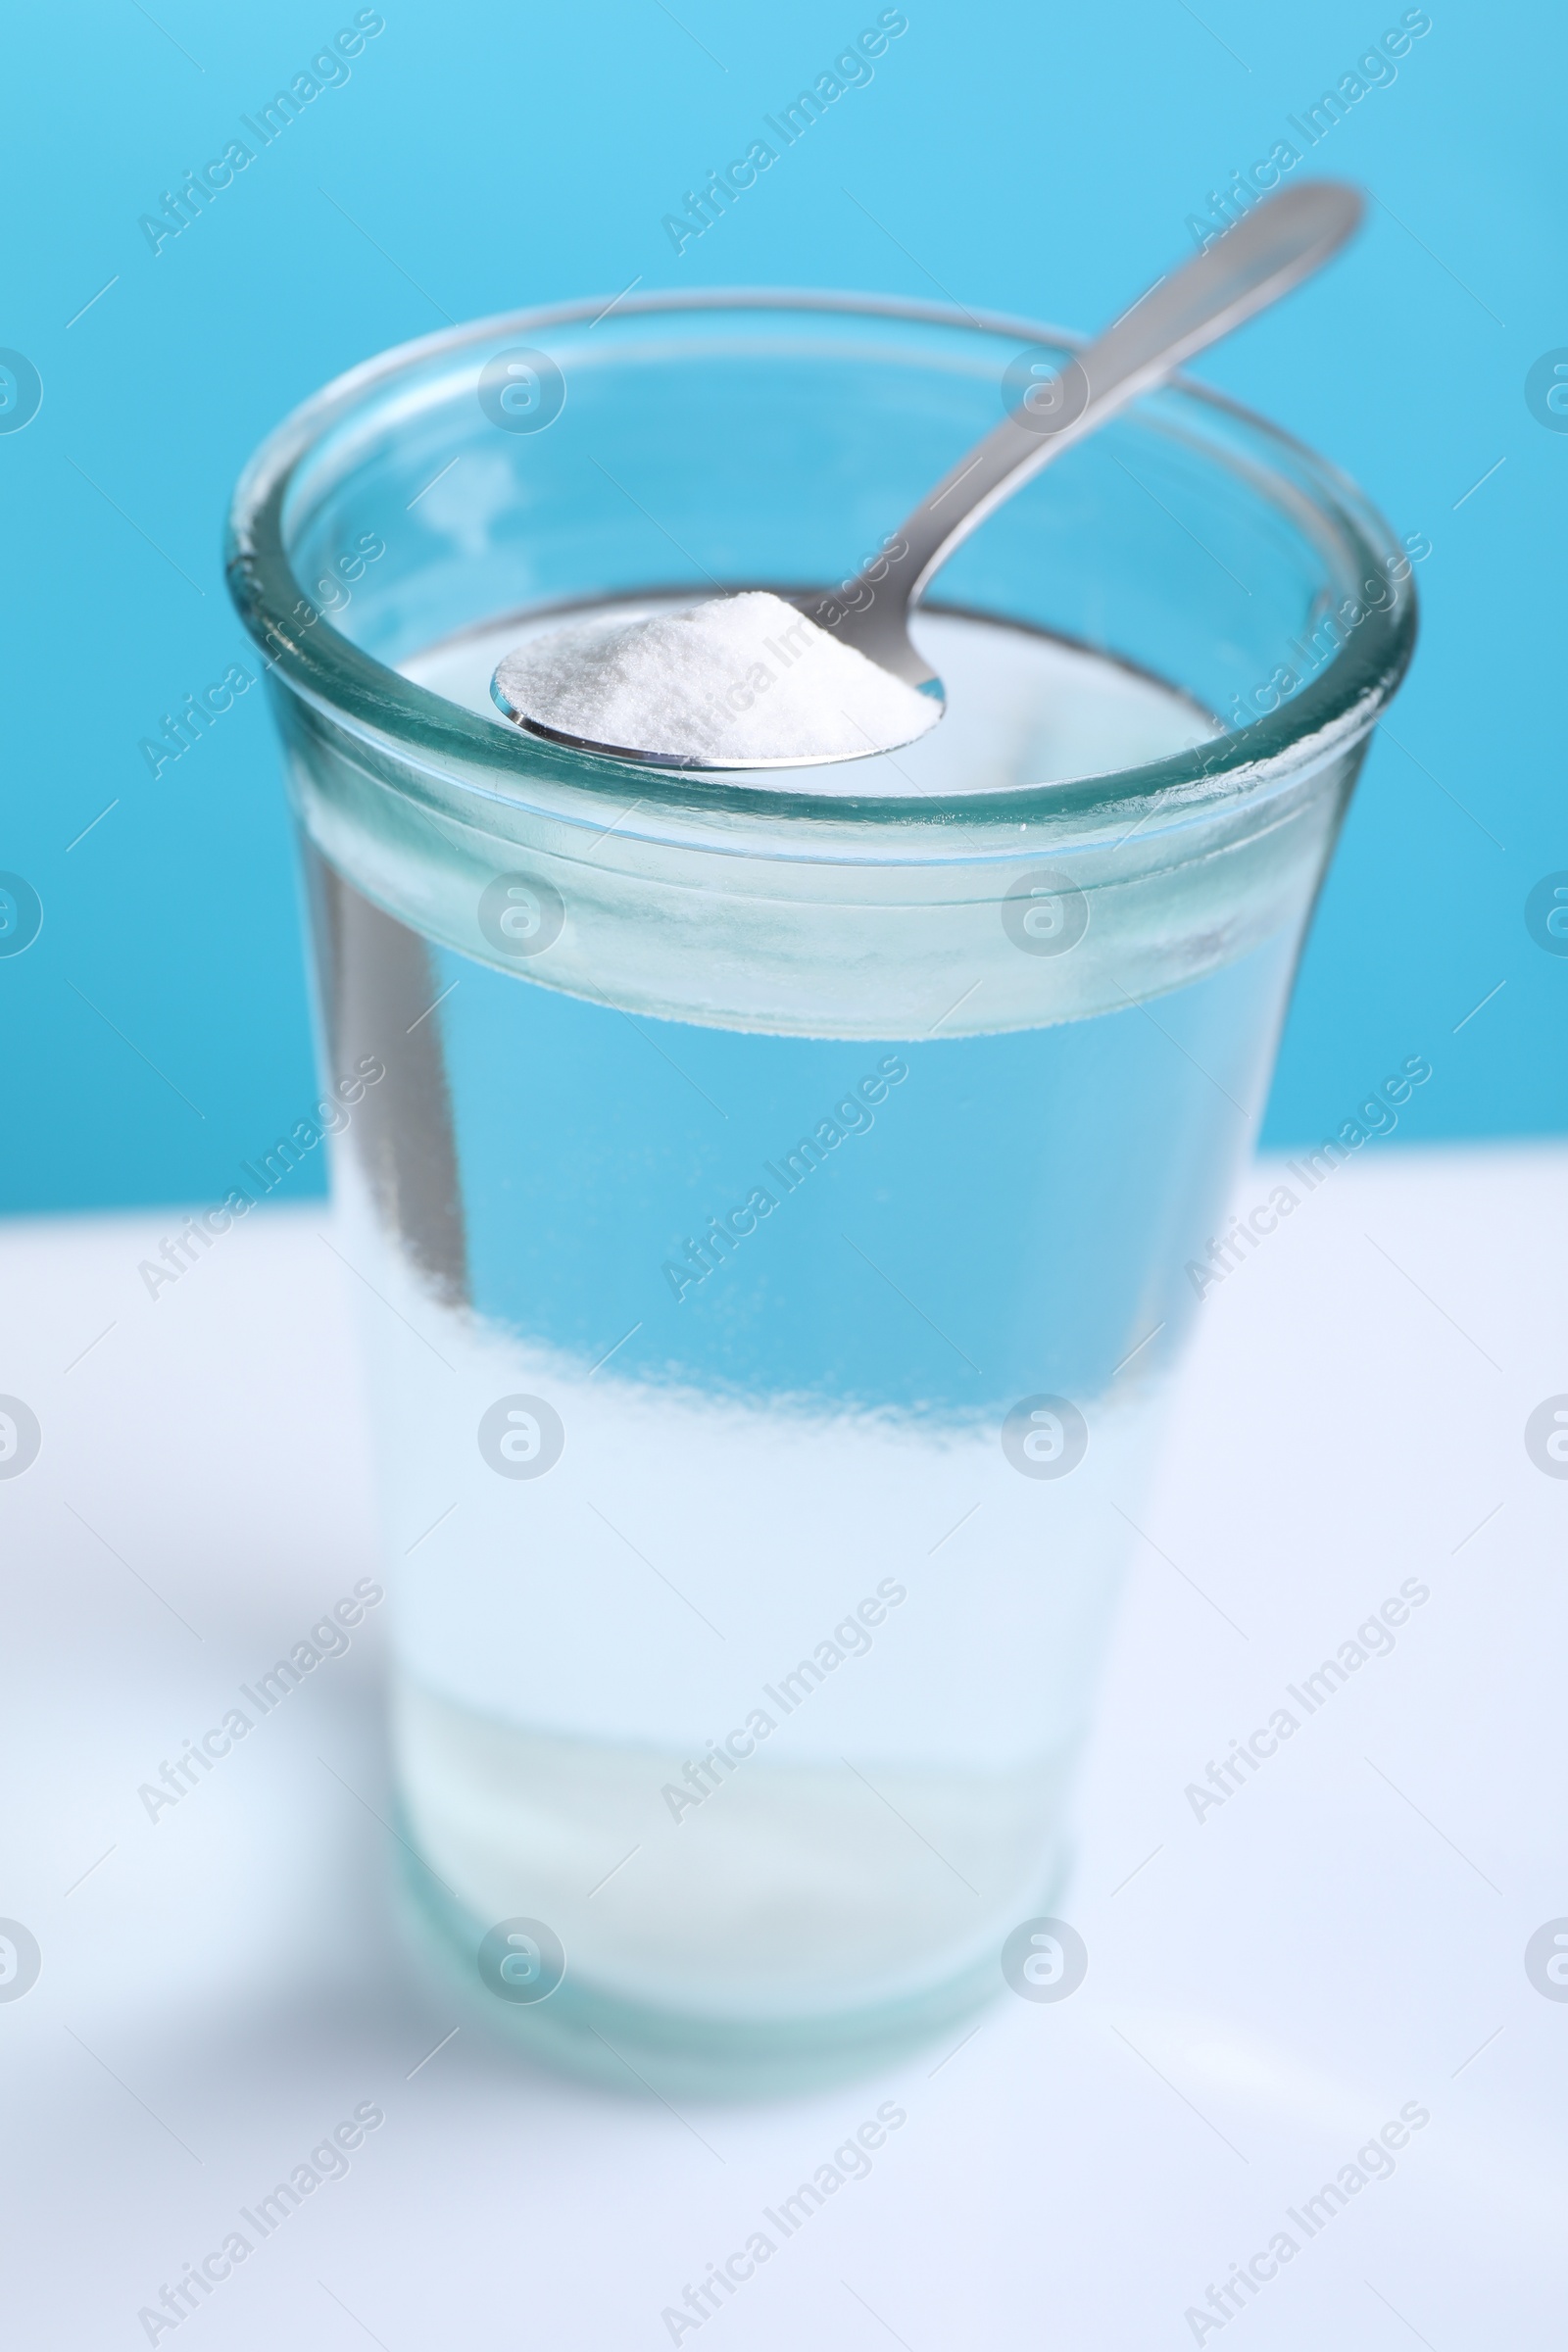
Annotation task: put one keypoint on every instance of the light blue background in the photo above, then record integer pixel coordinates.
(482, 157)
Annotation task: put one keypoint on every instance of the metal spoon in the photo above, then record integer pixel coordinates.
(1283, 241)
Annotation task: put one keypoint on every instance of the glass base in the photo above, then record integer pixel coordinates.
(635, 2048)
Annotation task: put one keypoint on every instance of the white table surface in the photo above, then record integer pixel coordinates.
(1266, 1986)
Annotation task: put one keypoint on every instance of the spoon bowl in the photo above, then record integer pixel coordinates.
(857, 708)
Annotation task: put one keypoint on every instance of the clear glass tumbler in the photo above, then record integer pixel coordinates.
(780, 1198)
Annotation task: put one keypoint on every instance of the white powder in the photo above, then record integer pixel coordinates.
(738, 681)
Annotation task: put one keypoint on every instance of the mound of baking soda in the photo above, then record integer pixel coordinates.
(737, 682)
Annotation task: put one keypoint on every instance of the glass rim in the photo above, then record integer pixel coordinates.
(1328, 716)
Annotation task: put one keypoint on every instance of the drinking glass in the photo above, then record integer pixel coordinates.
(778, 1200)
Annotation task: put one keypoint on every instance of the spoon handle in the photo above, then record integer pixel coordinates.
(1262, 255)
